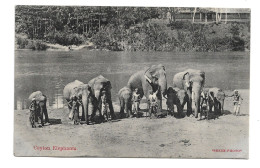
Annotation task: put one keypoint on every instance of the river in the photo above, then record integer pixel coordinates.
(50, 71)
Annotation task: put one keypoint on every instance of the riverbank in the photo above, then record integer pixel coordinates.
(23, 43)
(137, 137)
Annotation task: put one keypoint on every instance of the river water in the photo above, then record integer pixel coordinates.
(50, 71)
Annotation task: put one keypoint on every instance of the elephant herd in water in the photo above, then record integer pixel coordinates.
(188, 87)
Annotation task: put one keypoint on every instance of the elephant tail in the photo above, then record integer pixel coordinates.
(202, 74)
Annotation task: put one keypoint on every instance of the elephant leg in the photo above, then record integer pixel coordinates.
(222, 108)
(189, 108)
(111, 109)
(126, 107)
(83, 114)
(93, 111)
(207, 114)
(122, 107)
(172, 110)
(70, 111)
(150, 110)
(40, 117)
(76, 117)
(46, 115)
(129, 109)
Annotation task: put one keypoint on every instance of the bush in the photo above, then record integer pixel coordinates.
(21, 42)
(180, 25)
(64, 38)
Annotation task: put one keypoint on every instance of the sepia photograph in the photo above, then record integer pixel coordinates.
(131, 82)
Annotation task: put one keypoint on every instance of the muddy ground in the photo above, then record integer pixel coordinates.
(170, 137)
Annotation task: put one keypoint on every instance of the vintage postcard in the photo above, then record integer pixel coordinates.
(142, 82)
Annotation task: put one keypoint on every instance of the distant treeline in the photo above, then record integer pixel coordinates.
(125, 29)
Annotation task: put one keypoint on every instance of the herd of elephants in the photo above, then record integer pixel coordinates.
(187, 88)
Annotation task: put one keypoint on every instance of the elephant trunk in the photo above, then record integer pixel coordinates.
(126, 107)
(196, 99)
(85, 101)
(97, 94)
(180, 108)
(163, 86)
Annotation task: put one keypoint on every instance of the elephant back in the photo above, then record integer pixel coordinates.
(135, 81)
(220, 95)
(178, 80)
(100, 80)
(69, 89)
(125, 92)
(35, 95)
(194, 76)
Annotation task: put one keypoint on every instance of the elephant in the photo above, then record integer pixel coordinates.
(178, 97)
(192, 81)
(152, 78)
(77, 93)
(216, 99)
(125, 99)
(98, 85)
(38, 108)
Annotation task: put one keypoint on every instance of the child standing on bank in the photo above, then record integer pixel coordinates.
(237, 100)
(153, 101)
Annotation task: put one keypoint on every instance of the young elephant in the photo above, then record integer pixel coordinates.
(178, 97)
(38, 108)
(216, 98)
(125, 97)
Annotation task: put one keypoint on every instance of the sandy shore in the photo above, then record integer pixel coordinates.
(170, 137)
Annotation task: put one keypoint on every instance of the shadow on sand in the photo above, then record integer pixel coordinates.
(54, 121)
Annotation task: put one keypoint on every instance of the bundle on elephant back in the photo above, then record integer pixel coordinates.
(192, 81)
(77, 93)
(178, 97)
(100, 85)
(152, 78)
(125, 100)
(38, 108)
(216, 99)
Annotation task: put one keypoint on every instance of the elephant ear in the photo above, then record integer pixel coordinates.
(83, 89)
(153, 71)
(108, 85)
(186, 79)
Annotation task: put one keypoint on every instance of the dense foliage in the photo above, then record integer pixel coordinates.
(125, 29)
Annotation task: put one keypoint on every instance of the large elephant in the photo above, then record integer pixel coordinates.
(192, 81)
(216, 98)
(77, 93)
(178, 97)
(98, 85)
(125, 99)
(153, 78)
(38, 104)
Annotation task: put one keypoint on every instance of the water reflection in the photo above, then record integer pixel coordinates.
(49, 71)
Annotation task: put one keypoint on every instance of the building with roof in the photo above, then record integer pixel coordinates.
(207, 15)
